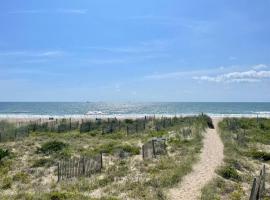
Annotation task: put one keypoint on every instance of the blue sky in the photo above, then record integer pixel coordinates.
(154, 50)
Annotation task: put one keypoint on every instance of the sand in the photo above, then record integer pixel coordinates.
(204, 171)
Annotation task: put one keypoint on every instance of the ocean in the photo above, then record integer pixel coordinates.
(102, 109)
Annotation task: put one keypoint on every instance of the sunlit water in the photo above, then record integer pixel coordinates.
(38, 109)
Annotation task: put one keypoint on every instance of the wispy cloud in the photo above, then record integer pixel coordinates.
(259, 66)
(105, 61)
(201, 26)
(232, 58)
(53, 53)
(234, 73)
(245, 76)
(57, 11)
(73, 11)
(21, 71)
(142, 47)
(180, 74)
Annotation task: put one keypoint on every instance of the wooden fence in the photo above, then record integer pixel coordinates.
(9, 131)
(79, 167)
(154, 147)
(258, 186)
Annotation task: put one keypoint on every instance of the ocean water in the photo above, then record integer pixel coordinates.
(101, 109)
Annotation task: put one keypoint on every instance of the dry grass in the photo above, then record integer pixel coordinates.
(29, 172)
(246, 149)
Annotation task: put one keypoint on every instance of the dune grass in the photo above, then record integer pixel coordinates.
(246, 149)
(29, 169)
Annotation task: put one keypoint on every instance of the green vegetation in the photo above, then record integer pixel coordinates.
(3, 153)
(42, 162)
(260, 155)
(246, 149)
(31, 170)
(229, 172)
(21, 177)
(52, 147)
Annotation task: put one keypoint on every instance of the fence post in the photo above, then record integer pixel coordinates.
(154, 150)
(83, 169)
(261, 183)
(253, 190)
(143, 151)
(264, 171)
(101, 161)
(58, 170)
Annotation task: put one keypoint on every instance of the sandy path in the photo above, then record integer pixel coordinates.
(210, 158)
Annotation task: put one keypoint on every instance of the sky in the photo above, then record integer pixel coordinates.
(154, 50)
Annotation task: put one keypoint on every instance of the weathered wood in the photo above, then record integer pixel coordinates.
(253, 190)
(58, 169)
(258, 186)
(154, 150)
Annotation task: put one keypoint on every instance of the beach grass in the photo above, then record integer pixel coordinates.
(246, 149)
(29, 169)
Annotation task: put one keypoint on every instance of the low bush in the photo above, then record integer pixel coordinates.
(52, 147)
(6, 183)
(3, 153)
(43, 162)
(209, 121)
(229, 172)
(21, 177)
(133, 150)
(58, 196)
(259, 155)
(113, 147)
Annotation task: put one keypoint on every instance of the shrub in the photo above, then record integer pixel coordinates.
(128, 121)
(209, 121)
(134, 150)
(58, 196)
(41, 162)
(6, 183)
(21, 177)
(229, 172)
(52, 147)
(3, 153)
(260, 155)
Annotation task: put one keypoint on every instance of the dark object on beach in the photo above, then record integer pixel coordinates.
(3, 153)
(210, 124)
(50, 118)
(209, 121)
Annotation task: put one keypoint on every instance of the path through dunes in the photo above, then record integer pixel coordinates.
(210, 158)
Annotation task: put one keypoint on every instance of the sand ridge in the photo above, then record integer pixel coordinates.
(210, 158)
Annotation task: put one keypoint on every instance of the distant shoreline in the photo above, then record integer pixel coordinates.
(26, 117)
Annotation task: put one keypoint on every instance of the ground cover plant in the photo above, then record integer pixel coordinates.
(31, 171)
(246, 148)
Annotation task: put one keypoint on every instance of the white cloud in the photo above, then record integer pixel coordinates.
(142, 47)
(41, 11)
(165, 75)
(245, 76)
(179, 74)
(232, 58)
(54, 53)
(73, 11)
(105, 61)
(201, 26)
(50, 53)
(259, 66)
